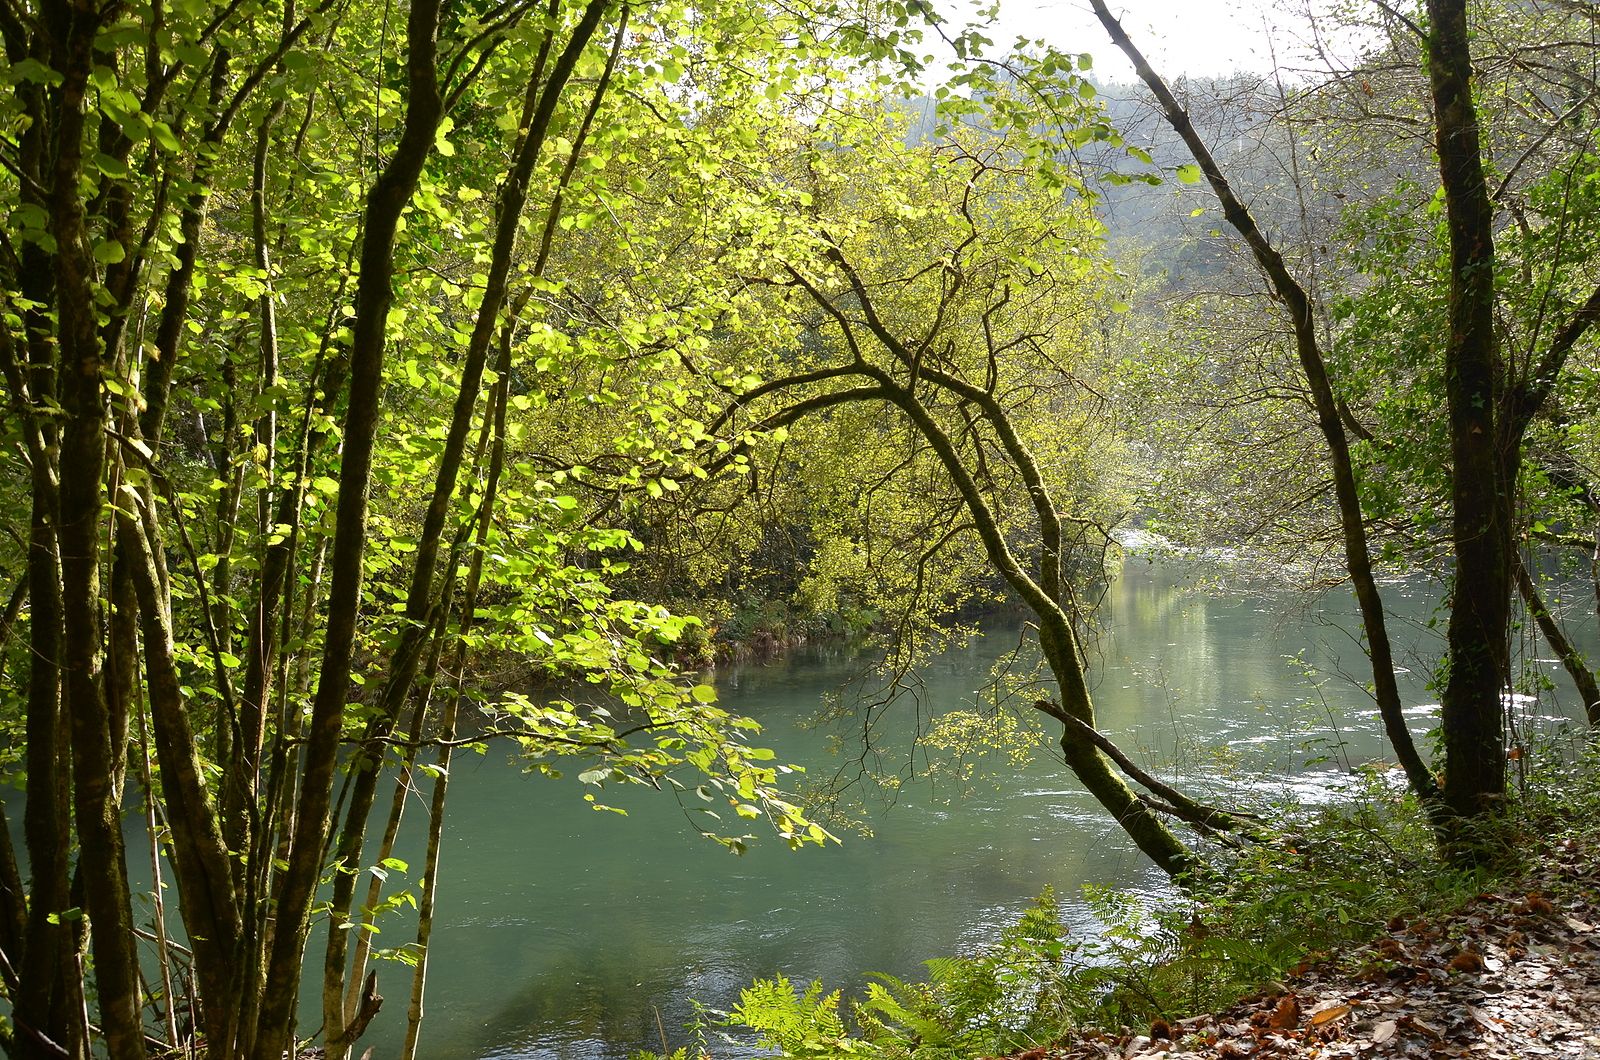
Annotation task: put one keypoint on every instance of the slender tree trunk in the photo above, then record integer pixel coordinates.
(245, 772)
(39, 1004)
(47, 995)
(374, 295)
(82, 493)
(1060, 648)
(422, 599)
(1358, 556)
(1092, 768)
(1571, 658)
(447, 726)
(1484, 462)
(201, 861)
(202, 865)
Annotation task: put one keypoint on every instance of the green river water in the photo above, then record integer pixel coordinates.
(566, 933)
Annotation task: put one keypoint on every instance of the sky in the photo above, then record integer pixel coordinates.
(1194, 37)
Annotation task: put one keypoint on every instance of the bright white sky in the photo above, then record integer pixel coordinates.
(1195, 37)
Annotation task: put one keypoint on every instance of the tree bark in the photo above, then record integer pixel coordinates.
(422, 598)
(1485, 456)
(82, 493)
(1060, 647)
(374, 294)
(46, 996)
(201, 862)
(1571, 659)
(1357, 551)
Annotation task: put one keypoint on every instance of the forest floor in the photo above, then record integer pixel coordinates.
(1514, 973)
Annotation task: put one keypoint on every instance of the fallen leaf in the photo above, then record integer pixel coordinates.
(1537, 905)
(1384, 1031)
(1426, 1028)
(1287, 1015)
(1329, 1013)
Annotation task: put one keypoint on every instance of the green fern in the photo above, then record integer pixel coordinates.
(793, 1023)
(900, 1017)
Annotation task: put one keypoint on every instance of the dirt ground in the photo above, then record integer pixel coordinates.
(1513, 974)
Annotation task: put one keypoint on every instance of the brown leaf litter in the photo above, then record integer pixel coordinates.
(1510, 976)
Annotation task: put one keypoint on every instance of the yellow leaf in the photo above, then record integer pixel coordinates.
(1328, 1015)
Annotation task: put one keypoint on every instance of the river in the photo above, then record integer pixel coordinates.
(566, 933)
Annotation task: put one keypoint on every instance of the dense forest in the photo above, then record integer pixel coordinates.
(387, 379)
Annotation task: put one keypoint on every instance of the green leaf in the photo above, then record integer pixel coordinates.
(1189, 174)
(35, 71)
(163, 136)
(111, 167)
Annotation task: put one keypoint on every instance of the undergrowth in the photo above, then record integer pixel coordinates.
(1323, 882)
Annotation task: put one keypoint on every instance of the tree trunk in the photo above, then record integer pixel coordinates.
(422, 598)
(374, 294)
(1357, 550)
(82, 493)
(46, 997)
(1060, 648)
(1571, 658)
(1094, 770)
(1485, 463)
(200, 858)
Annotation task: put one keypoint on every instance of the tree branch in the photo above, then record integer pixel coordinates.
(1180, 804)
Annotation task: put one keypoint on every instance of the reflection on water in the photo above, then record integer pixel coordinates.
(564, 933)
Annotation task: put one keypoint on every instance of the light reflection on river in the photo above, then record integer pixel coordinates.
(565, 933)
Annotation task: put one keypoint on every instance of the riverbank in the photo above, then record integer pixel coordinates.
(1340, 934)
(1514, 973)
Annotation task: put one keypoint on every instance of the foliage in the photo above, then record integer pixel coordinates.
(999, 1001)
(359, 361)
(295, 297)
